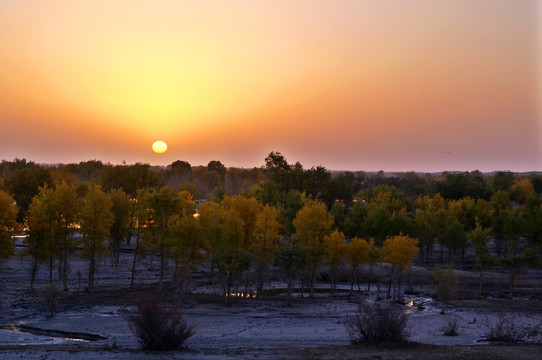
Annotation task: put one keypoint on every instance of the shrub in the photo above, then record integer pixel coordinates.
(445, 282)
(451, 328)
(158, 327)
(377, 324)
(503, 330)
(51, 295)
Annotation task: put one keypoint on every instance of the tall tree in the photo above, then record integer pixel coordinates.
(66, 206)
(266, 238)
(501, 206)
(430, 217)
(312, 223)
(533, 218)
(24, 184)
(479, 237)
(233, 258)
(293, 202)
(130, 178)
(248, 210)
(121, 227)
(217, 166)
(355, 219)
(399, 251)
(141, 222)
(292, 258)
(335, 252)
(454, 238)
(357, 253)
(516, 258)
(163, 205)
(521, 191)
(8, 225)
(96, 220)
(187, 247)
(211, 217)
(40, 243)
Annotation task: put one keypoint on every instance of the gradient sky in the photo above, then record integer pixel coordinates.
(351, 85)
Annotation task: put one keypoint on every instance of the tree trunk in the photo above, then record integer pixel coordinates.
(60, 268)
(162, 259)
(312, 280)
(227, 295)
(51, 269)
(261, 269)
(352, 279)
(370, 277)
(481, 279)
(134, 262)
(512, 281)
(399, 283)
(65, 269)
(390, 282)
(333, 284)
(289, 287)
(34, 270)
(91, 271)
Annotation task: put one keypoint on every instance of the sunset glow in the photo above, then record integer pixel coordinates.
(360, 85)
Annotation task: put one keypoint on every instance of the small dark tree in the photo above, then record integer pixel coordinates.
(445, 283)
(51, 295)
(158, 327)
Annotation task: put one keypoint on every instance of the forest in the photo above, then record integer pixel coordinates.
(231, 221)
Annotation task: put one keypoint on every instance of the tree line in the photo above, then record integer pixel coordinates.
(279, 214)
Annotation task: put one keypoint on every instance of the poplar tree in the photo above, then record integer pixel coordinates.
(266, 238)
(8, 225)
(96, 220)
(39, 242)
(335, 252)
(163, 205)
(479, 237)
(357, 253)
(66, 211)
(399, 251)
(120, 229)
(312, 223)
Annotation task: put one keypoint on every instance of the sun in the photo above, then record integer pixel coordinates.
(159, 147)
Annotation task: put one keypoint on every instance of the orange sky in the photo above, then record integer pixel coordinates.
(359, 85)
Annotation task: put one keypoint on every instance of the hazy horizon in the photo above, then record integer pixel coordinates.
(419, 86)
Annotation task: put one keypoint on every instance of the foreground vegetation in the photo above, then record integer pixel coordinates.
(232, 220)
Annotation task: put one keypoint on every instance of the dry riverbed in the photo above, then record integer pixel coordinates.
(92, 324)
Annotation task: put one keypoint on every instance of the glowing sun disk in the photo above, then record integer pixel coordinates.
(159, 147)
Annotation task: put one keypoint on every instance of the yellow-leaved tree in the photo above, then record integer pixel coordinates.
(357, 253)
(335, 252)
(39, 243)
(8, 224)
(96, 220)
(312, 223)
(266, 238)
(399, 251)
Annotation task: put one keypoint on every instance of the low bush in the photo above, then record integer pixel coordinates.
(504, 329)
(376, 323)
(451, 329)
(158, 327)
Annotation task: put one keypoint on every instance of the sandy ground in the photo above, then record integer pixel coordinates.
(262, 328)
